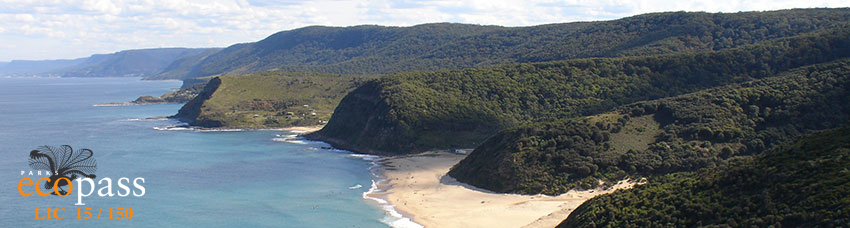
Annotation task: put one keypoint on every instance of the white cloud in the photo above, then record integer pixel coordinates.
(78, 28)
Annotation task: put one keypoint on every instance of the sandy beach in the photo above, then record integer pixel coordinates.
(419, 188)
(303, 129)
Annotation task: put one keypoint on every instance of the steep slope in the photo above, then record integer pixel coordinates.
(682, 133)
(135, 63)
(377, 49)
(268, 99)
(181, 67)
(413, 112)
(800, 184)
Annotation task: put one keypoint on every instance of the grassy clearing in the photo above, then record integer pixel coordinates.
(275, 99)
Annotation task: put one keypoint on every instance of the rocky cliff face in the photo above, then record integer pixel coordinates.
(190, 112)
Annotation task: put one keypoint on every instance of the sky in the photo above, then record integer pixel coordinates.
(64, 29)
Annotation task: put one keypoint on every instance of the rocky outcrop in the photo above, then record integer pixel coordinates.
(190, 112)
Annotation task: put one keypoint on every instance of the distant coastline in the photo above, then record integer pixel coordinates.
(130, 103)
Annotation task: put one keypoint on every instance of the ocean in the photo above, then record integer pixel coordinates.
(191, 178)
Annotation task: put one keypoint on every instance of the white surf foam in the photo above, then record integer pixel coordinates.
(296, 141)
(148, 119)
(367, 157)
(114, 104)
(172, 128)
(219, 130)
(288, 138)
(187, 128)
(393, 217)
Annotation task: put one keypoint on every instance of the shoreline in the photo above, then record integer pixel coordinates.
(300, 130)
(130, 103)
(417, 187)
(297, 129)
(378, 192)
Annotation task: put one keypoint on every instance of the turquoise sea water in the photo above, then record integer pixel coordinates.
(209, 179)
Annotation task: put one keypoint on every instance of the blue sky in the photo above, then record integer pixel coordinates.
(61, 29)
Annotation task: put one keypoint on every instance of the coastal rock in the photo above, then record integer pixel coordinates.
(190, 111)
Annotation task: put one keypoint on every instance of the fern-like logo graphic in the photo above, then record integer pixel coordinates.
(62, 162)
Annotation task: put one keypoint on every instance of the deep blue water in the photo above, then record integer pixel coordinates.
(210, 179)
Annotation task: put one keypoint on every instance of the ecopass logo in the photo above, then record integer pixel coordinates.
(63, 167)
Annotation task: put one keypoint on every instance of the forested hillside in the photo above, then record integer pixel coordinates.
(413, 112)
(800, 184)
(180, 67)
(378, 49)
(683, 133)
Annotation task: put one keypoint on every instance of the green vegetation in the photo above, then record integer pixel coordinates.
(414, 112)
(683, 133)
(176, 97)
(800, 184)
(266, 100)
(692, 101)
(179, 96)
(377, 49)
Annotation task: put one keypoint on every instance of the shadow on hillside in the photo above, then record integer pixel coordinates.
(448, 180)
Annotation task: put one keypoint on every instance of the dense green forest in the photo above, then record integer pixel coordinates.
(682, 133)
(377, 49)
(268, 99)
(799, 184)
(413, 112)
